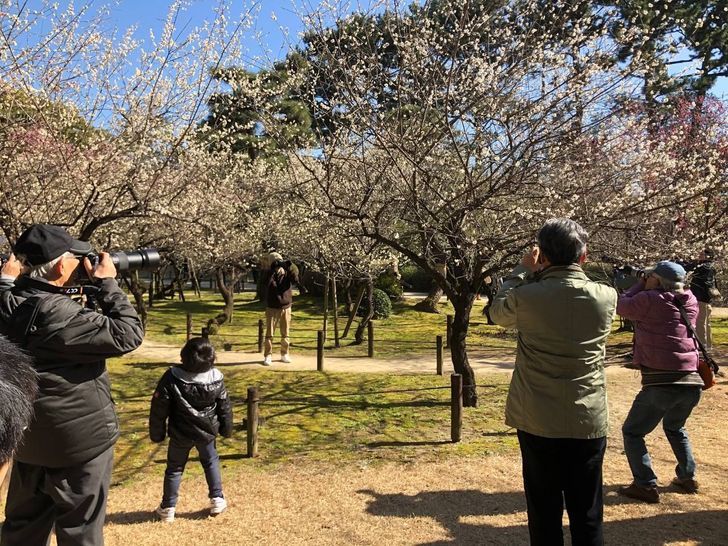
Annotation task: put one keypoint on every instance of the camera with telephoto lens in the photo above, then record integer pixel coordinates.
(145, 259)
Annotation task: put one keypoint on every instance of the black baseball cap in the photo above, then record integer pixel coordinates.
(42, 243)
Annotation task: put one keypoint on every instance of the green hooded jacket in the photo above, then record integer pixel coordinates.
(558, 388)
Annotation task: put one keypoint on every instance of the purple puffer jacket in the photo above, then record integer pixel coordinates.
(662, 340)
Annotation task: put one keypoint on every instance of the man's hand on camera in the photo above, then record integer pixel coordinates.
(530, 260)
(104, 270)
(12, 268)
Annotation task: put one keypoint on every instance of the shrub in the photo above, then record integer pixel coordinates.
(382, 305)
(415, 279)
(389, 283)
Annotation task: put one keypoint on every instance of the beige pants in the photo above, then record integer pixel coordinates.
(702, 328)
(274, 318)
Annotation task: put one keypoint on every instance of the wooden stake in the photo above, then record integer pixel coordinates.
(252, 421)
(456, 406)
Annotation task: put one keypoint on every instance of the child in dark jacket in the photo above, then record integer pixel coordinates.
(192, 404)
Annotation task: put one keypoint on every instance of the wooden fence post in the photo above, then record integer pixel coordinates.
(449, 331)
(189, 326)
(439, 355)
(335, 304)
(370, 339)
(252, 421)
(320, 351)
(327, 283)
(456, 406)
(260, 335)
(205, 333)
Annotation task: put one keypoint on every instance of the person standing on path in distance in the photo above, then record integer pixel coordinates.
(557, 399)
(60, 478)
(279, 299)
(191, 402)
(667, 356)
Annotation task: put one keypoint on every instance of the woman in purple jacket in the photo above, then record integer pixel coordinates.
(667, 356)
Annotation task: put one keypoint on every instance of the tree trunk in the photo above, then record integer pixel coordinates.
(151, 289)
(195, 280)
(463, 304)
(359, 335)
(137, 291)
(335, 305)
(302, 286)
(429, 304)
(179, 282)
(228, 297)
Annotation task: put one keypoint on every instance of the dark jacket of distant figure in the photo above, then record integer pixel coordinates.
(702, 280)
(279, 293)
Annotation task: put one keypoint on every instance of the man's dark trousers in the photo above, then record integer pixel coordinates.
(73, 499)
(558, 471)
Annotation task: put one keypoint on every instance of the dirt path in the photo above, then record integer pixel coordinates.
(475, 500)
(481, 360)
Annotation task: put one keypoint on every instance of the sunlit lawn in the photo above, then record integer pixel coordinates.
(321, 417)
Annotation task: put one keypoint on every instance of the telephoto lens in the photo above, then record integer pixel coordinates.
(145, 259)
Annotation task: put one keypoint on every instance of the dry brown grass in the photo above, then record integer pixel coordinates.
(474, 500)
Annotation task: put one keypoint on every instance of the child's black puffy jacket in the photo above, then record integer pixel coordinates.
(196, 405)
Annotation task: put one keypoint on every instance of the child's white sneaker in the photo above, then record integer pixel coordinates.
(165, 514)
(268, 360)
(217, 506)
(285, 359)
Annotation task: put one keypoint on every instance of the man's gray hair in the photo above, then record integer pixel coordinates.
(43, 270)
(562, 241)
(668, 285)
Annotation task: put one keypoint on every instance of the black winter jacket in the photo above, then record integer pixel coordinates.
(279, 293)
(196, 405)
(75, 419)
(702, 281)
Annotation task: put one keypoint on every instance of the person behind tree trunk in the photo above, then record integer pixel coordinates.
(671, 386)
(703, 285)
(491, 285)
(192, 404)
(279, 299)
(557, 399)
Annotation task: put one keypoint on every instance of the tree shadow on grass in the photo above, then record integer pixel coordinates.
(156, 365)
(450, 507)
(374, 445)
(145, 516)
(226, 457)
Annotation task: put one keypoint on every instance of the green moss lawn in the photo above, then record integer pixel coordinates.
(328, 417)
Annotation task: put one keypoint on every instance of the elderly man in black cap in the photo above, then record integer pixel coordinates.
(62, 471)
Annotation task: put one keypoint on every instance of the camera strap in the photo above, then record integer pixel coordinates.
(711, 362)
(87, 289)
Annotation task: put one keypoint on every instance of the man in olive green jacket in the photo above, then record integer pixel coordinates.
(557, 399)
